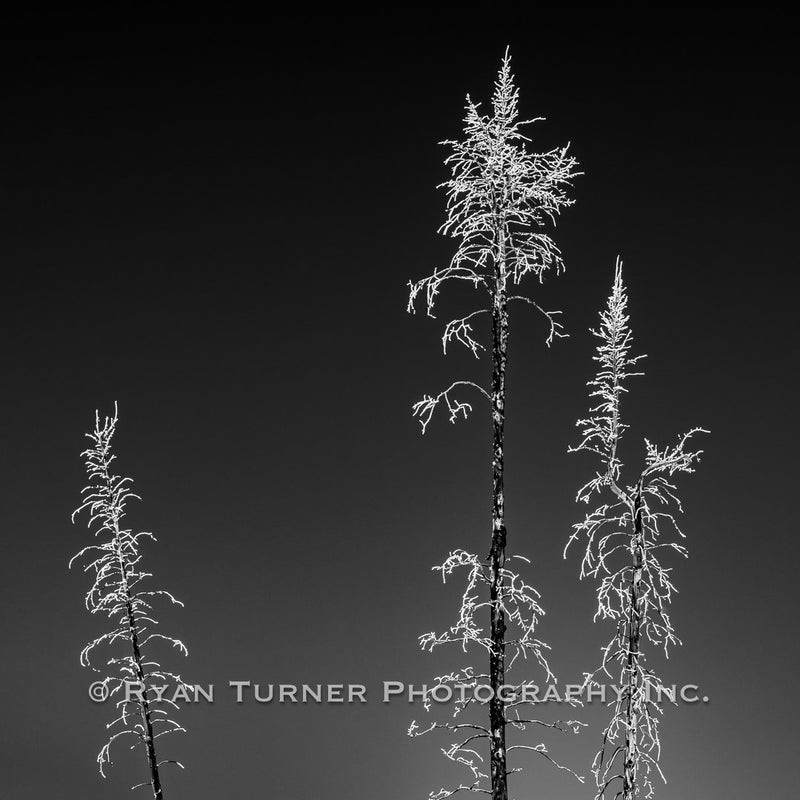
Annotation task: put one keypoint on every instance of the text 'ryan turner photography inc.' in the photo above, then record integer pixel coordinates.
(390, 691)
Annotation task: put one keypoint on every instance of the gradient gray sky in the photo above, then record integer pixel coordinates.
(217, 234)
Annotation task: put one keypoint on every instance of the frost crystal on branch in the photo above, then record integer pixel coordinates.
(499, 197)
(119, 592)
(624, 537)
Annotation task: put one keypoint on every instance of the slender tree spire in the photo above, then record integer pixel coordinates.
(499, 197)
(116, 593)
(603, 429)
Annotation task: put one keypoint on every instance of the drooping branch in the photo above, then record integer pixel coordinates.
(556, 329)
(424, 408)
(461, 331)
(431, 285)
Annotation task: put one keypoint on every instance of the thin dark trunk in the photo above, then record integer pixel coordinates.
(144, 707)
(633, 633)
(144, 704)
(497, 658)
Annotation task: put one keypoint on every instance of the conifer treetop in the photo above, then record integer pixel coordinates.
(499, 189)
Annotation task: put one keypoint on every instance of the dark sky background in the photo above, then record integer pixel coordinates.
(217, 230)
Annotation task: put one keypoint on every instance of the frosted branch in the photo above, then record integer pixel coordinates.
(424, 408)
(555, 327)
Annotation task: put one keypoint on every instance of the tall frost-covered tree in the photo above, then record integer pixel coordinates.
(625, 535)
(499, 198)
(119, 592)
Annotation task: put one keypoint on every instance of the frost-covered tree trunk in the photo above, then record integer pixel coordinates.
(144, 704)
(499, 197)
(497, 554)
(116, 593)
(635, 613)
(624, 536)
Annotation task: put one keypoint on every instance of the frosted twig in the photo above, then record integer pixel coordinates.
(424, 408)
